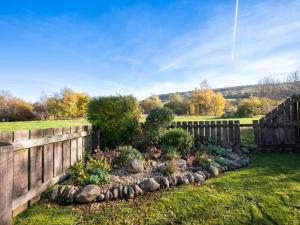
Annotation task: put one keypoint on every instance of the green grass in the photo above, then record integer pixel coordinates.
(267, 192)
(215, 118)
(30, 125)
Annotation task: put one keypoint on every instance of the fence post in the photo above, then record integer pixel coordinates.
(6, 183)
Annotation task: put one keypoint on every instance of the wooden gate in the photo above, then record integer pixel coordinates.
(279, 129)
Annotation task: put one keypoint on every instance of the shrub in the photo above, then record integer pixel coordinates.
(171, 152)
(220, 160)
(156, 123)
(179, 139)
(128, 153)
(98, 176)
(216, 150)
(172, 167)
(117, 117)
(78, 174)
(202, 158)
(100, 162)
(159, 119)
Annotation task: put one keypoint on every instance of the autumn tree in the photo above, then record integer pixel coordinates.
(205, 101)
(151, 103)
(68, 104)
(177, 104)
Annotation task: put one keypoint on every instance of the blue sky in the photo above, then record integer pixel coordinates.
(143, 47)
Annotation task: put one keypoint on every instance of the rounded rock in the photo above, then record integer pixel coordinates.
(137, 190)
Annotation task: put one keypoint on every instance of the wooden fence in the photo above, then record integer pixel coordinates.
(279, 129)
(33, 160)
(226, 133)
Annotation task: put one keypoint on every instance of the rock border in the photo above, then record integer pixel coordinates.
(69, 194)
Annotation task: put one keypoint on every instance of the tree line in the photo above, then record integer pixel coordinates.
(205, 101)
(65, 104)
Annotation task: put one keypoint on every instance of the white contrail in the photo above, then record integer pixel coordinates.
(234, 28)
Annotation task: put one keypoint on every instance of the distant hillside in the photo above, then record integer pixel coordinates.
(228, 92)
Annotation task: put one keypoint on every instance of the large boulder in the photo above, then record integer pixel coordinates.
(163, 181)
(88, 194)
(149, 185)
(152, 153)
(135, 166)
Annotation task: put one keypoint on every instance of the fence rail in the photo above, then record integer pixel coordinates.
(224, 132)
(33, 160)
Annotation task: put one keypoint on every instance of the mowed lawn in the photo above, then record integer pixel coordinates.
(30, 125)
(267, 192)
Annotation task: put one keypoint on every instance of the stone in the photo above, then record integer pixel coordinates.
(135, 166)
(190, 177)
(61, 190)
(137, 190)
(130, 192)
(65, 193)
(120, 188)
(201, 173)
(179, 180)
(88, 194)
(173, 180)
(153, 164)
(245, 150)
(181, 165)
(162, 167)
(163, 182)
(197, 178)
(108, 195)
(152, 153)
(115, 193)
(72, 194)
(214, 171)
(125, 192)
(207, 174)
(229, 150)
(149, 185)
(101, 198)
(54, 193)
(185, 180)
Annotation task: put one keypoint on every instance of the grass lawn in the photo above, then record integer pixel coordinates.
(30, 125)
(267, 192)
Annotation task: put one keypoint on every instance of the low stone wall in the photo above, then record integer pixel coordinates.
(69, 194)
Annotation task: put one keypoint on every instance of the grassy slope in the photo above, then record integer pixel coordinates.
(268, 192)
(30, 125)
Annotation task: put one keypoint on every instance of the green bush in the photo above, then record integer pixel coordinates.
(95, 163)
(179, 139)
(117, 117)
(98, 176)
(220, 160)
(216, 150)
(128, 153)
(91, 171)
(79, 174)
(171, 152)
(159, 119)
(202, 158)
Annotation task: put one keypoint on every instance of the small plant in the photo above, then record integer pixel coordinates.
(171, 152)
(78, 173)
(98, 176)
(100, 162)
(179, 139)
(128, 153)
(172, 167)
(202, 158)
(216, 150)
(220, 160)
